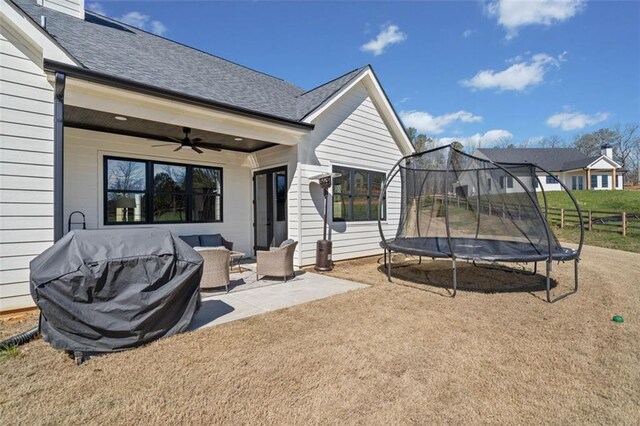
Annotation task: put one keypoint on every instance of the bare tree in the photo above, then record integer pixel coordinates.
(590, 143)
(552, 141)
(625, 143)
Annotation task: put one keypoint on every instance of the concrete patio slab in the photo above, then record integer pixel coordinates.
(306, 287)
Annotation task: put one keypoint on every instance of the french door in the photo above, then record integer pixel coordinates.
(269, 207)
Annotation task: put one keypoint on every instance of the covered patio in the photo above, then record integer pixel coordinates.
(139, 158)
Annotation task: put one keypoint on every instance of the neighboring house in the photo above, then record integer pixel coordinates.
(89, 106)
(568, 165)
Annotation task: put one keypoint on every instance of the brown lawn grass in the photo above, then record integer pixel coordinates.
(391, 353)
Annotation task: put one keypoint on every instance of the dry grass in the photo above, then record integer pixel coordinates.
(386, 354)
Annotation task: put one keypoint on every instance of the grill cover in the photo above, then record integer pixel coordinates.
(103, 291)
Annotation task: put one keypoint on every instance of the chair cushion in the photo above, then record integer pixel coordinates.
(202, 248)
(286, 243)
(192, 240)
(211, 240)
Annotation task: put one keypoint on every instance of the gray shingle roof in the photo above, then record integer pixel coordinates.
(551, 159)
(111, 47)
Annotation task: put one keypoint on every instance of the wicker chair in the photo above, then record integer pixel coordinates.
(215, 271)
(277, 262)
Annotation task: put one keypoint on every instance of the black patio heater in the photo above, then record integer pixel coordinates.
(323, 246)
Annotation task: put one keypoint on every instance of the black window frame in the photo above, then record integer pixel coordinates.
(350, 194)
(552, 180)
(149, 191)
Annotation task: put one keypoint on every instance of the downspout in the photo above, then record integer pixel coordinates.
(58, 157)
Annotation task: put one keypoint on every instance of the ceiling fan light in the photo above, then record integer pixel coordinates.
(238, 139)
(120, 118)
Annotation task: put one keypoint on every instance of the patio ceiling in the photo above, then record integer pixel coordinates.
(83, 118)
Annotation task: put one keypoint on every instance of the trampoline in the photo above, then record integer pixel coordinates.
(460, 207)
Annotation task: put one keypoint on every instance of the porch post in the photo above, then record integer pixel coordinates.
(58, 157)
(588, 179)
(613, 175)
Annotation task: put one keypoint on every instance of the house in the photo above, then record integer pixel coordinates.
(100, 117)
(567, 165)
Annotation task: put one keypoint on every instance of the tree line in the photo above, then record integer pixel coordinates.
(624, 139)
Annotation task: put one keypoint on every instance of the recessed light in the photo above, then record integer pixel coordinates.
(120, 118)
(237, 139)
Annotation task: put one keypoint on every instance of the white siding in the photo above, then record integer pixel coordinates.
(350, 133)
(83, 182)
(26, 166)
(70, 7)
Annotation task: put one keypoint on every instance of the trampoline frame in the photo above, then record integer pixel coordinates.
(504, 167)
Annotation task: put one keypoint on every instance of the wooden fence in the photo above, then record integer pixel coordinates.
(624, 223)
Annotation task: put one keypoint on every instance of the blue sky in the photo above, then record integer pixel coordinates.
(473, 71)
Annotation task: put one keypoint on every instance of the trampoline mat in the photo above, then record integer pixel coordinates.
(478, 249)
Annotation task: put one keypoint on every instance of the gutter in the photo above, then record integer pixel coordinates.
(58, 157)
(147, 89)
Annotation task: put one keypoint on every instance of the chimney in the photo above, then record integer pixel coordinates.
(607, 150)
(74, 8)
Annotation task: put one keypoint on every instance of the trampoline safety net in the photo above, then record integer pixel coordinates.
(455, 205)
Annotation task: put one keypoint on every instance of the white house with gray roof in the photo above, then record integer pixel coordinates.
(569, 166)
(135, 130)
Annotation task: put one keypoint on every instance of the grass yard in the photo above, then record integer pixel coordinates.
(401, 353)
(617, 201)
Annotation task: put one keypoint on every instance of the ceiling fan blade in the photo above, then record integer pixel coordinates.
(211, 147)
(195, 148)
(175, 139)
(165, 144)
(196, 140)
(178, 148)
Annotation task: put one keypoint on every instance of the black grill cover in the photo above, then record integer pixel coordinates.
(103, 291)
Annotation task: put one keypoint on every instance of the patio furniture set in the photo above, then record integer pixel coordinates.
(220, 260)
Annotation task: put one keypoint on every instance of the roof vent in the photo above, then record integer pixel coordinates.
(43, 22)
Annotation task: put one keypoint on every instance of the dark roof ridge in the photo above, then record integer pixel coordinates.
(334, 79)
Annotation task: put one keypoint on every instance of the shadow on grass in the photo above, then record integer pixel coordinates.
(480, 279)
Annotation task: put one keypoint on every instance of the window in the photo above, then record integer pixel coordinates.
(534, 180)
(139, 191)
(605, 181)
(489, 184)
(509, 182)
(356, 195)
(501, 182)
(594, 181)
(552, 180)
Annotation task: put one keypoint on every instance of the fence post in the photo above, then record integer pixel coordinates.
(590, 221)
(520, 211)
(503, 210)
(489, 208)
(624, 224)
(561, 218)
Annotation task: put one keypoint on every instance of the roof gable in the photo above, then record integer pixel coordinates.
(367, 77)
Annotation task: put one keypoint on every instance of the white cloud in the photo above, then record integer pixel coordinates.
(489, 139)
(158, 27)
(135, 19)
(467, 33)
(433, 125)
(96, 7)
(514, 14)
(518, 77)
(389, 35)
(575, 120)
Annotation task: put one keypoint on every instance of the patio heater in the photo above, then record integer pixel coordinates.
(323, 246)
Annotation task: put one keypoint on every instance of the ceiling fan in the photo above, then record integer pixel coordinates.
(187, 142)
